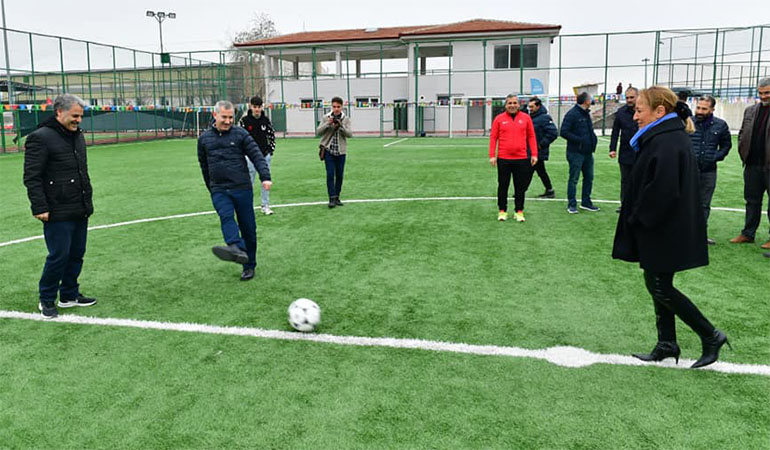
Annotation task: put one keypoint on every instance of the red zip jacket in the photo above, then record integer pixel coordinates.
(511, 136)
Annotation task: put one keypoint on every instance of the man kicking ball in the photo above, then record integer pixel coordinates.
(221, 151)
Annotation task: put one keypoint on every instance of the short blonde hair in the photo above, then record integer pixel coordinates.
(655, 96)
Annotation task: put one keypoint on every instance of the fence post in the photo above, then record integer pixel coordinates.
(716, 54)
(759, 54)
(484, 104)
(606, 67)
(90, 90)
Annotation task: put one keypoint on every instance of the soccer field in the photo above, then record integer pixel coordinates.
(432, 265)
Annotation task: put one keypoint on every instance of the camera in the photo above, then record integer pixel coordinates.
(335, 121)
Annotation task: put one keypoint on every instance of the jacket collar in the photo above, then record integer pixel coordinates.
(665, 126)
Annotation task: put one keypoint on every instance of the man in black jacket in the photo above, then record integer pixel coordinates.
(577, 128)
(221, 151)
(59, 191)
(259, 127)
(546, 133)
(624, 127)
(711, 142)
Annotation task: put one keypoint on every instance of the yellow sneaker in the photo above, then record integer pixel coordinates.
(502, 216)
(520, 216)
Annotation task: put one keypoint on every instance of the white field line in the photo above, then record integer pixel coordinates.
(394, 142)
(572, 357)
(289, 205)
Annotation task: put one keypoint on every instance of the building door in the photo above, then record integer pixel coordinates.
(476, 117)
(400, 116)
(278, 117)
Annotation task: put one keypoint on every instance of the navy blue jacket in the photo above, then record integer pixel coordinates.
(711, 142)
(545, 132)
(221, 157)
(577, 128)
(626, 127)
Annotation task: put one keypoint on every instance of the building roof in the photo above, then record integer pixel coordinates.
(394, 33)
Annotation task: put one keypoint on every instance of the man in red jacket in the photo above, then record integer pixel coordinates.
(513, 136)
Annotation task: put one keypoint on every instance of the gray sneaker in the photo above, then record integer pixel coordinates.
(48, 310)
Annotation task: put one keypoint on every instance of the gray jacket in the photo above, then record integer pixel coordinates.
(326, 132)
(747, 128)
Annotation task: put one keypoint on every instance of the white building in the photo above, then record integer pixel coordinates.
(438, 79)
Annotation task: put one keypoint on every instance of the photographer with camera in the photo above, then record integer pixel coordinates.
(334, 130)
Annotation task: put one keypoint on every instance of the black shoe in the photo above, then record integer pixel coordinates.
(711, 346)
(711, 241)
(48, 310)
(332, 203)
(661, 351)
(549, 193)
(80, 300)
(247, 274)
(337, 201)
(230, 253)
(618, 210)
(766, 255)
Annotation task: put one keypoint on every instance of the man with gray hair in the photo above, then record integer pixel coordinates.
(221, 151)
(754, 149)
(59, 191)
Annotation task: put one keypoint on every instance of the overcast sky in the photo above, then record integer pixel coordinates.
(210, 24)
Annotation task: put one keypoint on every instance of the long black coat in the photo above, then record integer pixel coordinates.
(661, 223)
(56, 173)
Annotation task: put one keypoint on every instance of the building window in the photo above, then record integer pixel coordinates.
(442, 100)
(367, 102)
(510, 57)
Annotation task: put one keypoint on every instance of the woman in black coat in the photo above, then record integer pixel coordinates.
(661, 224)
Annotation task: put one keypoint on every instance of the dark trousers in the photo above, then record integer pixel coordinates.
(521, 171)
(66, 243)
(243, 233)
(335, 170)
(580, 163)
(625, 176)
(540, 169)
(708, 182)
(756, 182)
(670, 302)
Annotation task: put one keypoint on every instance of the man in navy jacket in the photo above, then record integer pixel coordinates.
(221, 151)
(624, 127)
(711, 142)
(546, 133)
(577, 128)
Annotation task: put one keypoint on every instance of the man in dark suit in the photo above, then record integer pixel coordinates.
(624, 127)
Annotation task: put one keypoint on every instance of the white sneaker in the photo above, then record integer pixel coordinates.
(267, 211)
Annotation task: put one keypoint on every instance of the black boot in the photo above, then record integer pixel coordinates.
(337, 201)
(332, 203)
(711, 346)
(661, 351)
(549, 193)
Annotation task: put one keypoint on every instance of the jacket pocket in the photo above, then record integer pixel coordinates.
(67, 191)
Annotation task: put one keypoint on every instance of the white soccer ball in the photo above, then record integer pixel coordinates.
(304, 314)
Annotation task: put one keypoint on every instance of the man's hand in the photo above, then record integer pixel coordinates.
(534, 160)
(42, 217)
(493, 161)
(613, 154)
(267, 185)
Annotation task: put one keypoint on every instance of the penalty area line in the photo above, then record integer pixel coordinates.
(564, 356)
(394, 142)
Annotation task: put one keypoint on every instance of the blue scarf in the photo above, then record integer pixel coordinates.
(635, 140)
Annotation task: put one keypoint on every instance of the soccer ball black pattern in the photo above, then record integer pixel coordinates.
(304, 314)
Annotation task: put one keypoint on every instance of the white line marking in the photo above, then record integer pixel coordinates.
(572, 357)
(288, 205)
(395, 142)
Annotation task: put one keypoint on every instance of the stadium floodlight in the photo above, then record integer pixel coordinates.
(160, 16)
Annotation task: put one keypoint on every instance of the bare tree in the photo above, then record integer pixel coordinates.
(245, 76)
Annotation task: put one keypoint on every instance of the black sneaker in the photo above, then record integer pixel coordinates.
(80, 300)
(230, 253)
(48, 310)
(332, 203)
(591, 207)
(247, 274)
(710, 241)
(549, 193)
(338, 202)
(766, 255)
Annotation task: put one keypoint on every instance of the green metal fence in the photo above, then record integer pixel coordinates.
(133, 95)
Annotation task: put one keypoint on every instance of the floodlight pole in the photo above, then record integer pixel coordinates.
(9, 88)
(645, 60)
(160, 16)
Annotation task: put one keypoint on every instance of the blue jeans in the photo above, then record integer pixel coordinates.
(66, 242)
(253, 174)
(580, 163)
(335, 170)
(244, 232)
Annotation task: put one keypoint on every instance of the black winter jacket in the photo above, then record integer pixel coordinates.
(261, 130)
(221, 157)
(711, 142)
(56, 173)
(578, 130)
(545, 132)
(661, 223)
(624, 127)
